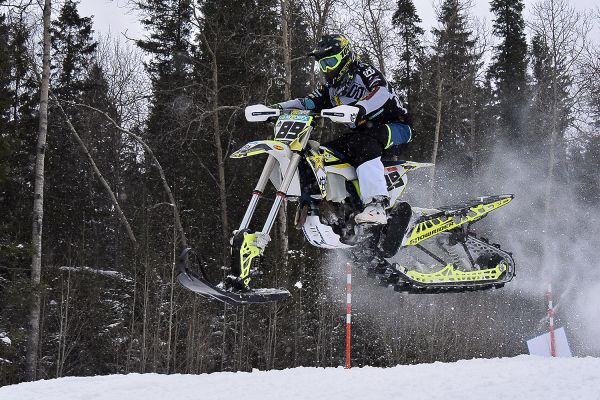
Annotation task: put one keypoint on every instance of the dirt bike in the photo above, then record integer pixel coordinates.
(324, 184)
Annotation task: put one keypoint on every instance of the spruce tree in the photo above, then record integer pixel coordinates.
(407, 21)
(508, 71)
(73, 48)
(168, 45)
(69, 207)
(19, 101)
(451, 85)
(542, 99)
(5, 94)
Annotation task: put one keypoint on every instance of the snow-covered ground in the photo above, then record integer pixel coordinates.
(523, 377)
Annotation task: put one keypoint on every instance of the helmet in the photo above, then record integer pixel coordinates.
(334, 55)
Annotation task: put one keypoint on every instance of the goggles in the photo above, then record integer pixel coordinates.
(330, 63)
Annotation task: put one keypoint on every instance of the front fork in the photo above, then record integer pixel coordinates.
(245, 245)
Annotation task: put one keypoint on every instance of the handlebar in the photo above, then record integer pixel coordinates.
(342, 114)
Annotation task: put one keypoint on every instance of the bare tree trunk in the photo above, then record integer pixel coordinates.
(223, 337)
(219, 148)
(133, 317)
(38, 206)
(146, 305)
(436, 138)
(287, 93)
(171, 295)
(318, 13)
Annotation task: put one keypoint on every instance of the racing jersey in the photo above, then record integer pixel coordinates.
(363, 86)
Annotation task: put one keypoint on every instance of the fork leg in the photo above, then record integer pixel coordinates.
(258, 191)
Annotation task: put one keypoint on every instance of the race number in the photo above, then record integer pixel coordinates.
(289, 130)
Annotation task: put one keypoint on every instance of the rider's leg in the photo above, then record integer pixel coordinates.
(364, 149)
(373, 192)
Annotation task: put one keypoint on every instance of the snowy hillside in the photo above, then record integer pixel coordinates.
(523, 377)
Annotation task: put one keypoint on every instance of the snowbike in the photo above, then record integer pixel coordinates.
(325, 186)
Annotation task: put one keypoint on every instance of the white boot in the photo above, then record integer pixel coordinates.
(373, 192)
(374, 212)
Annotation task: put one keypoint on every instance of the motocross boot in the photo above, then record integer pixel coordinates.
(374, 212)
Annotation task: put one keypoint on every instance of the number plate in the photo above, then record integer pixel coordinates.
(290, 126)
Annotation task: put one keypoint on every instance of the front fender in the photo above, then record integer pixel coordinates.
(273, 147)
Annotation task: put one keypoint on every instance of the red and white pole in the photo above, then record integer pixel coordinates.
(551, 319)
(348, 311)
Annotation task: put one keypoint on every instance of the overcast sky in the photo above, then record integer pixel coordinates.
(115, 16)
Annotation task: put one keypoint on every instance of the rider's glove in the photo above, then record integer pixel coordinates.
(276, 105)
(360, 116)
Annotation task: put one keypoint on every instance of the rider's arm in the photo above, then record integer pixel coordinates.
(379, 90)
(317, 100)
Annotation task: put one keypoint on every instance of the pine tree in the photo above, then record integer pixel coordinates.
(451, 87)
(73, 49)
(69, 208)
(5, 94)
(508, 71)
(407, 21)
(543, 99)
(19, 101)
(169, 125)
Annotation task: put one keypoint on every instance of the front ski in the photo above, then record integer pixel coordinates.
(205, 288)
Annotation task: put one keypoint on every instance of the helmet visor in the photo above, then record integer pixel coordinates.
(330, 63)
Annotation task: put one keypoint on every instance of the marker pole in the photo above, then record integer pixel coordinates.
(348, 311)
(551, 319)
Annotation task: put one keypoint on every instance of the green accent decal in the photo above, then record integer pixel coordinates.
(389, 142)
(356, 186)
(448, 275)
(248, 252)
(258, 147)
(428, 228)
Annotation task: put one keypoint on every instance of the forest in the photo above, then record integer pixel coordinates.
(114, 154)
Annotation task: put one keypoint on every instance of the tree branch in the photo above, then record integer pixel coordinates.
(166, 187)
(105, 184)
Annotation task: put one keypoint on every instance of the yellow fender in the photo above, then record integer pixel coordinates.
(273, 147)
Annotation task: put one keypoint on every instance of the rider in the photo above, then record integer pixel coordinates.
(379, 123)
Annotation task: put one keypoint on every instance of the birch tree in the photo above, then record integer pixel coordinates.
(38, 202)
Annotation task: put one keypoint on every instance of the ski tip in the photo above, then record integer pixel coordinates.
(211, 291)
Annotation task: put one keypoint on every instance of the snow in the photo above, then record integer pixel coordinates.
(522, 377)
(5, 339)
(298, 285)
(112, 274)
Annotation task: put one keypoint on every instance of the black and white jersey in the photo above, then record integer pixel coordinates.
(363, 85)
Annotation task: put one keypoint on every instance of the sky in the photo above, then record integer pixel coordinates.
(115, 16)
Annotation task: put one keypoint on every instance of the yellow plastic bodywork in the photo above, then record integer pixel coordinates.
(426, 229)
(259, 147)
(316, 160)
(248, 251)
(296, 144)
(448, 275)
